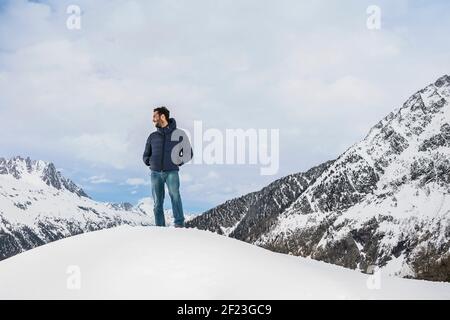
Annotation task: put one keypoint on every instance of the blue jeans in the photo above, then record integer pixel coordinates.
(172, 180)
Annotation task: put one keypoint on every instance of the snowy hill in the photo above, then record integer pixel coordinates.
(38, 205)
(166, 263)
(383, 202)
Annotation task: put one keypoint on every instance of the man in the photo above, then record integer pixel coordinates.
(166, 150)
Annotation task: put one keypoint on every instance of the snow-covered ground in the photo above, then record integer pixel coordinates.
(167, 263)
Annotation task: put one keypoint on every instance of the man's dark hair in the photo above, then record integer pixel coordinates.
(163, 110)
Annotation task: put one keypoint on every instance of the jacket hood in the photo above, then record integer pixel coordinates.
(170, 127)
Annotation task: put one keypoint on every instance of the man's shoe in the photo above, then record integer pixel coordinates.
(179, 226)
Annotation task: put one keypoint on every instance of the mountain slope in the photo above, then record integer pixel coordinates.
(384, 202)
(38, 205)
(130, 263)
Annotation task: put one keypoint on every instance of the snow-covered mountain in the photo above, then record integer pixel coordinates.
(384, 202)
(130, 263)
(38, 205)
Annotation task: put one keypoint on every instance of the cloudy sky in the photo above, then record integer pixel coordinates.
(83, 99)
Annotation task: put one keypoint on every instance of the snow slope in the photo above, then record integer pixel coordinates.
(166, 263)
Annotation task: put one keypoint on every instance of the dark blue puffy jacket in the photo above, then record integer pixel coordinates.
(167, 148)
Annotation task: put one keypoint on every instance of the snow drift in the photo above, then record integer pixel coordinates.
(166, 263)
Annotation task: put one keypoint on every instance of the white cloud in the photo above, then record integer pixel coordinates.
(136, 182)
(320, 97)
(185, 177)
(146, 204)
(212, 175)
(105, 148)
(98, 180)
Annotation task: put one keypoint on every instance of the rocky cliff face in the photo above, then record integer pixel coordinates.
(384, 202)
(19, 167)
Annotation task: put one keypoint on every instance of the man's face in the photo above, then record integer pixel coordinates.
(157, 121)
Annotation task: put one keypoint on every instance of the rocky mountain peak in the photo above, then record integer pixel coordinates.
(442, 81)
(20, 168)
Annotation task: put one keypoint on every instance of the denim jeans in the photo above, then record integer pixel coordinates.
(172, 180)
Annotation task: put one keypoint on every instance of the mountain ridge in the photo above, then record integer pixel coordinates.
(18, 166)
(363, 208)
